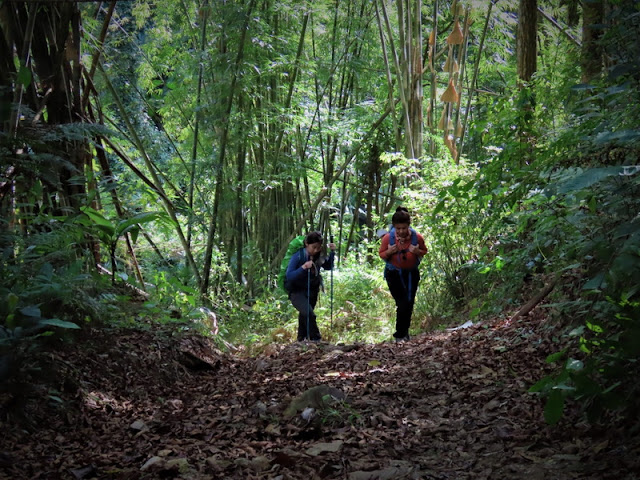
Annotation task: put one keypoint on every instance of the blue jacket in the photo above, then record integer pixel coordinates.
(296, 276)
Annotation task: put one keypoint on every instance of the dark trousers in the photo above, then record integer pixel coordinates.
(403, 285)
(305, 309)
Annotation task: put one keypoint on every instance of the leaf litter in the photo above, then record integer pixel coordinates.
(136, 404)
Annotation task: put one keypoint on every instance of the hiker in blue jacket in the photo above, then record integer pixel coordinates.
(303, 282)
(402, 249)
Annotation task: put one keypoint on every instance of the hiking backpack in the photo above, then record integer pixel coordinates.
(389, 266)
(392, 241)
(294, 245)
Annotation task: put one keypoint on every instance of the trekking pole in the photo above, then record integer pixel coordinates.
(308, 304)
(332, 266)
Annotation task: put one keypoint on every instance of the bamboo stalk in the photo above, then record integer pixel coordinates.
(24, 61)
(434, 74)
(198, 115)
(562, 30)
(208, 256)
(169, 207)
(321, 195)
(96, 55)
(463, 61)
(475, 75)
(401, 83)
(385, 57)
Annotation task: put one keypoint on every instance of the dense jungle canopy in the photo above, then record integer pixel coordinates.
(156, 158)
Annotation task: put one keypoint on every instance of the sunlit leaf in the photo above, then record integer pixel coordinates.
(554, 357)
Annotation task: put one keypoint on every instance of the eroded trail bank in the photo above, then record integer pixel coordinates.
(130, 404)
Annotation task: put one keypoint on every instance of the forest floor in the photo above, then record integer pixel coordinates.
(152, 403)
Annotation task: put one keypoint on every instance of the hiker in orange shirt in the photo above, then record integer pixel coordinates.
(402, 249)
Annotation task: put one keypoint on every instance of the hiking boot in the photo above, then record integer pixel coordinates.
(406, 338)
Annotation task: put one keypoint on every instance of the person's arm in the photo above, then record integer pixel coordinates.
(386, 251)
(419, 250)
(295, 269)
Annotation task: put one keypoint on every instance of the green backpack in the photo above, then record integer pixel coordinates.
(294, 245)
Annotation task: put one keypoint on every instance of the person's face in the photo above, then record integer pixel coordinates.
(314, 248)
(402, 230)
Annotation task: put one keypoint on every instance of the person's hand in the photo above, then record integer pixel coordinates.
(332, 246)
(415, 249)
(391, 250)
(307, 265)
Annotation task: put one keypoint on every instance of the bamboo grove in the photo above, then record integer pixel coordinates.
(236, 125)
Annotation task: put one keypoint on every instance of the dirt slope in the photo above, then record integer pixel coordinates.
(132, 404)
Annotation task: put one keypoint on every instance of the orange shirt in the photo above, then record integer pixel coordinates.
(403, 258)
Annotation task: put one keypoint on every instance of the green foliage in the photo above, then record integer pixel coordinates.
(44, 283)
(339, 414)
(452, 216)
(603, 373)
(548, 186)
(109, 232)
(46, 293)
(595, 230)
(363, 310)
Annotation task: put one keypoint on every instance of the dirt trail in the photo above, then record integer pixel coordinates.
(132, 404)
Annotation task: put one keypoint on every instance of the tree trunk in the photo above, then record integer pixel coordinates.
(591, 61)
(526, 40)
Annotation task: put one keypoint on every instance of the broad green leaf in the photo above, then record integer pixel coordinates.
(134, 235)
(612, 387)
(622, 137)
(31, 311)
(133, 229)
(594, 327)
(574, 365)
(564, 387)
(99, 220)
(583, 86)
(439, 207)
(24, 76)
(589, 177)
(554, 357)
(138, 219)
(541, 384)
(554, 407)
(55, 322)
(576, 332)
(596, 283)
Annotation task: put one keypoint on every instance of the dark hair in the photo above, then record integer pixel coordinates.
(313, 237)
(401, 216)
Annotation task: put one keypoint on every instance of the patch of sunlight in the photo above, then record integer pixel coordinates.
(96, 400)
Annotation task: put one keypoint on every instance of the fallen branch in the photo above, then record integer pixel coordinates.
(137, 291)
(531, 304)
